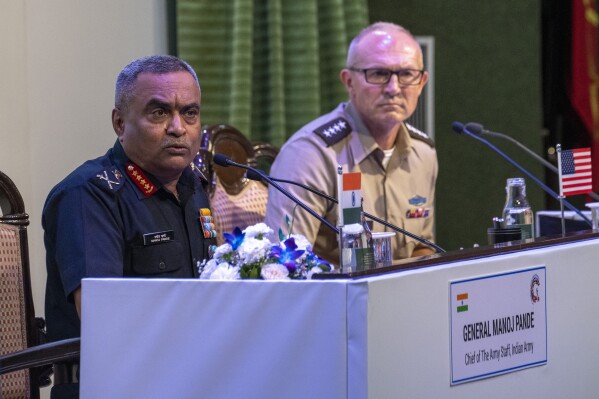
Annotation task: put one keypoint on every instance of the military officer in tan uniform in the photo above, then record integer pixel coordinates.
(384, 77)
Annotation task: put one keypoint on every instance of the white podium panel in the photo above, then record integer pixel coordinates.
(204, 339)
(408, 341)
(385, 336)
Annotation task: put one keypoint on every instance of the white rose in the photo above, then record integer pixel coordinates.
(209, 268)
(253, 250)
(257, 230)
(222, 250)
(224, 271)
(274, 271)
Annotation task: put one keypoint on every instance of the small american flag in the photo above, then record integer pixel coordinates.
(575, 174)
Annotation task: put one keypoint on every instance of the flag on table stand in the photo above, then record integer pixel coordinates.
(575, 172)
(349, 187)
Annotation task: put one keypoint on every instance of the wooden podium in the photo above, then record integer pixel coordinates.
(383, 334)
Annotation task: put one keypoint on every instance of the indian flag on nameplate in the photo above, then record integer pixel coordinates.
(350, 197)
(462, 307)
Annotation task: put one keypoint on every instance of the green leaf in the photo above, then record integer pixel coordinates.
(255, 272)
(250, 271)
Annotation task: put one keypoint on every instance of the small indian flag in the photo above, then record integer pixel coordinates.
(350, 197)
(461, 306)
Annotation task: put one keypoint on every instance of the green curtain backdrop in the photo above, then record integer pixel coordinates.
(268, 67)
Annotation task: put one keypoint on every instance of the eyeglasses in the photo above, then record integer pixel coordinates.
(380, 76)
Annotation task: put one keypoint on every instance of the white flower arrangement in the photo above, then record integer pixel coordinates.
(249, 254)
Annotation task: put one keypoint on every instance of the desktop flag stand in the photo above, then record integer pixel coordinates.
(575, 174)
(349, 193)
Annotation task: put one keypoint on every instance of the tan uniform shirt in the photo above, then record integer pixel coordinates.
(402, 194)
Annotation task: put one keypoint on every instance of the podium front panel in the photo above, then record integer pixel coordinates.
(144, 338)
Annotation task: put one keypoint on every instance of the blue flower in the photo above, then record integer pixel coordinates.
(287, 255)
(317, 261)
(234, 239)
(312, 260)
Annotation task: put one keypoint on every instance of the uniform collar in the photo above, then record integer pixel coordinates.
(363, 144)
(147, 184)
(403, 142)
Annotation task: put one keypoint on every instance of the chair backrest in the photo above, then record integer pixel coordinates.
(235, 200)
(18, 329)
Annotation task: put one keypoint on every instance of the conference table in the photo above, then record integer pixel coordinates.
(456, 325)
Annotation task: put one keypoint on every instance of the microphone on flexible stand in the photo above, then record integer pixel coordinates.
(478, 129)
(459, 128)
(253, 175)
(225, 161)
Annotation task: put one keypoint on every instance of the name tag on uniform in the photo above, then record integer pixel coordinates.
(159, 237)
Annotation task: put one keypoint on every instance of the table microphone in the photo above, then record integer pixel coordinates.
(223, 160)
(459, 128)
(253, 175)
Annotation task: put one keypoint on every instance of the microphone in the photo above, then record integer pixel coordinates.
(479, 130)
(252, 175)
(225, 161)
(459, 128)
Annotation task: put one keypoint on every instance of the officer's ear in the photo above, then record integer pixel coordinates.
(118, 122)
(347, 78)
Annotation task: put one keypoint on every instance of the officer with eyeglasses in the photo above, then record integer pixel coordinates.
(384, 77)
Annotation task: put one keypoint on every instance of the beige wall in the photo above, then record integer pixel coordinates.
(59, 60)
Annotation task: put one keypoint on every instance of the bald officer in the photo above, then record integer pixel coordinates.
(384, 77)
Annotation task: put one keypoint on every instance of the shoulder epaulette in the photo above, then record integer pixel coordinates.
(419, 135)
(333, 131)
(110, 179)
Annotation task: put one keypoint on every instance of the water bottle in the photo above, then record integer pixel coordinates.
(356, 247)
(350, 247)
(517, 211)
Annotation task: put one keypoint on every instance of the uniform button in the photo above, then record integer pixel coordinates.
(162, 265)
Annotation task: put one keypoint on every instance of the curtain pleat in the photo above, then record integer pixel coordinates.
(268, 67)
(240, 69)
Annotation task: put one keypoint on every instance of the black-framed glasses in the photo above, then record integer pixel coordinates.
(381, 76)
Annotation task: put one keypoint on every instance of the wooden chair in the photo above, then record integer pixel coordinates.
(235, 200)
(25, 361)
